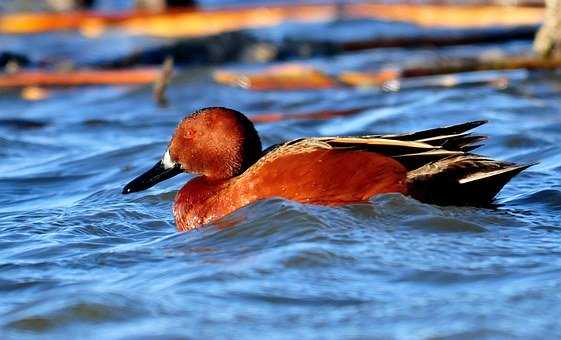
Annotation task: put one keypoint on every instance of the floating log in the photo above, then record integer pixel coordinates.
(196, 23)
(79, 78)
(457, 16)
(41, 22)
(449, 66)
(472, 78)
(285, 77)
(449, 38)
(368, 79)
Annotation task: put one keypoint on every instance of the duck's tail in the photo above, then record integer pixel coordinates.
(461, 180)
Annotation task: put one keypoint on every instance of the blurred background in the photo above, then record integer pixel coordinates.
(91, 91)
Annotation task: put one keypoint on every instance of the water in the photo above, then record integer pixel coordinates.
(77, 258)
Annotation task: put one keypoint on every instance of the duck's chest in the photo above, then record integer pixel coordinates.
(200, 202)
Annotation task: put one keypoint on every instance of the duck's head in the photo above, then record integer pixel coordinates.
(214, 142)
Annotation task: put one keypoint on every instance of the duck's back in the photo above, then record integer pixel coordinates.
(311, 173)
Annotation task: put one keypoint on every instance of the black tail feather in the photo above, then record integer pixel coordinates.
(461, 180)
(469, 148)
(462, 143)
(441, 131)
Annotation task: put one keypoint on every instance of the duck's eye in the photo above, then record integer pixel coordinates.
(190, 133)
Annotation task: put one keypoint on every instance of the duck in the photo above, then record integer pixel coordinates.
(222, 148)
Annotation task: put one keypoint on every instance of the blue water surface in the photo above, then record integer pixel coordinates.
(78, 259)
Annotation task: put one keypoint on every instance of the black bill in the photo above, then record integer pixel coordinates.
(157, 174)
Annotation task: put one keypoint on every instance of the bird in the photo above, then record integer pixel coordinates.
(222, 148)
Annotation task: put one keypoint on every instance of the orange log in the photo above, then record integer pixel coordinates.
(449, 67)
(369, 79)
(456, 16)
(24, 23)
(78, 78)
(283, 77)
(195, 23)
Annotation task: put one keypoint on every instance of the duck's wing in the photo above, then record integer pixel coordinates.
(416, 149)
(413, 150)
(440, 168)
(453, 137)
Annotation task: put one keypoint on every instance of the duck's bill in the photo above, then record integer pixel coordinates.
(159, 172)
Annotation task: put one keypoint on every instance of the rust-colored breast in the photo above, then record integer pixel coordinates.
(202, 201)
(324, 176)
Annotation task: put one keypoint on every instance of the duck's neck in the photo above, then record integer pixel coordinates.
(202, 200)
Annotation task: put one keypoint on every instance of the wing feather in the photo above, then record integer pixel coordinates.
(412, 149)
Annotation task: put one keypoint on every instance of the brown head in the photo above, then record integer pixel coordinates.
(214, 142)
